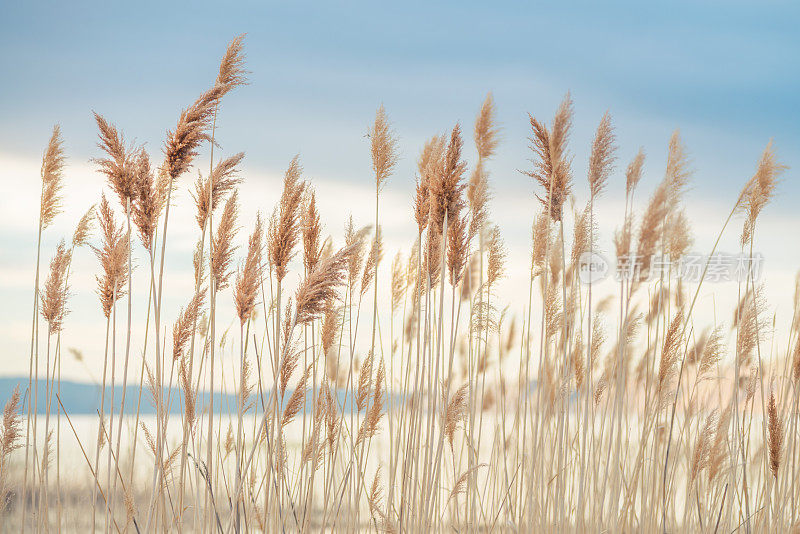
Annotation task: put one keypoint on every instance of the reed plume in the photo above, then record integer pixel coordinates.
(427, 164)
(284, 229)
(223, 247)
(83, 229)
(318, 290)
(210, 192)
(54, 296)
(248, 278)
(10, 433)
(447, 186)
(670, 353)
(312, 228)
(52, 175)
(112, 254)
(119, 165)
(552, 164)
(775, 436)
(149, 200)
(383, 145)
(185, 324)
(602, 156)
(760, 190)
(633, 173)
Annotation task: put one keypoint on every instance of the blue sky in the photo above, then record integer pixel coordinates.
(726, 73)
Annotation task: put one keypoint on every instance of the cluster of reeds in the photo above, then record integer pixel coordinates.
(621, 413)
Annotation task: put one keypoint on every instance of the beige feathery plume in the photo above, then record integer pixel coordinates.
(429, 160)
(290, 358)
(713, 350)
(633, 174)
(497, 256)
(199, 263)
(230, 442)
(759, 190)
(284, 229)
(10, 433)
(312, 452)
(193, 124)
(552, 165)
(119, 166)
(47, 453)
(330, 325)
(149, 200)
(11, 430)
(83, 229)
(458, 239)
(650, 230)
(383, 145)
(224, 179)
(373, 499)
(222, 255)
(248, 278)
(471, 279)
(582, 234)
(677, 173)
(577, 360)
(52, 175)
(796, 361)
(461, 482)
(319, 288)
(454, 412)
(364, 382)
(432, 262)
(355, 240)
(703, 446)
(54, 295)
(296, 400)
(540, 239)
(231, 68)
(552, 311)
(662, 203)
(775, 436)
(184, 325)
(372, 419)
(189, 395)
(670, 353)
(113, 255)
(373, 259)
(599, 335)
(192, 129)
(331, 419)
(486, 139)
(751, 324)
(678, 234)
(447, 186)
(623, 238)
(312, 228)
(246, 386)
(478, 197)
(718, 452)
(694, 354)
(602, 158)
(486, 131)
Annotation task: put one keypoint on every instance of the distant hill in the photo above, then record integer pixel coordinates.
(81, 398)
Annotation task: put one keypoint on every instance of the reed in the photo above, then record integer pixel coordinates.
(406, 395)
